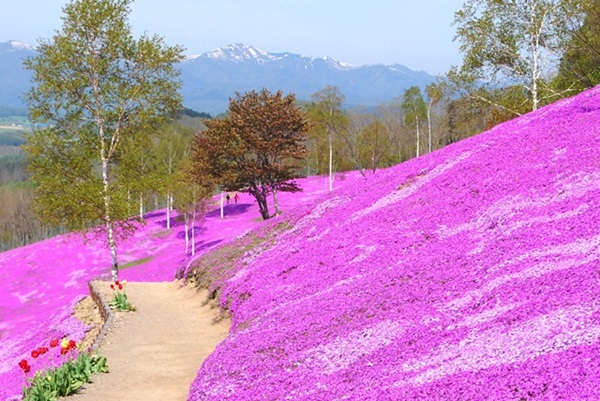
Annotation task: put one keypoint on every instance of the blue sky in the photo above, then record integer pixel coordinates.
(415, 33)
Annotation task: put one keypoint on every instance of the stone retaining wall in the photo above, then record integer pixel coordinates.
(106, 313)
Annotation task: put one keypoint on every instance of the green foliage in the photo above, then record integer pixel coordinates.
(580, 65)
(328, 121)
(98, 94)
(64, 380)
(136, 262)
(376, 140)
(119, 301)
(413, 105)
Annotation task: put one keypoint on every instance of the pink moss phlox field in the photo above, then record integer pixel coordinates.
(472, 273)
(41, 283)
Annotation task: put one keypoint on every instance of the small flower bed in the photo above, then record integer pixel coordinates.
(120, 301)
(75, 368)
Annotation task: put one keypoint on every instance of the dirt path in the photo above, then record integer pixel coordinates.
(155, 352)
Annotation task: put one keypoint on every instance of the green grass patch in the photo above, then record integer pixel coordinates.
(162, 234)
(212, 269)
(136, 262)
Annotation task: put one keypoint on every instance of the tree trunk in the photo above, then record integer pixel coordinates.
(535, 49)
(222, 206)
(193, 234)
(276, 203)
(169, 211)
(261, 199)
(110, 236)
(330, 163)
(429, 125)
(141, 207)
(418, 135)
(186, 218)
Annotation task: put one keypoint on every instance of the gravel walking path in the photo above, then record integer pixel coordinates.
(155, 352)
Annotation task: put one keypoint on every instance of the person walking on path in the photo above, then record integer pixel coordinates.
(227, 197)
(236, 197)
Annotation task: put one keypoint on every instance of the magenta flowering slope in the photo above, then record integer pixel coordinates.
(472, 273)
(40, 283)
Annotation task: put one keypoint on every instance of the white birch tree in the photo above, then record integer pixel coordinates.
(94, 86)
(513, 42)
(326, 112)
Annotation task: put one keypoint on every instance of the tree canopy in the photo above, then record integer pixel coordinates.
(257, 148)
(579, 67)
(95, 89)
(513, 42)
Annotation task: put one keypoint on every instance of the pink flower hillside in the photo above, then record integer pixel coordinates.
(41, 283)
(472, 273)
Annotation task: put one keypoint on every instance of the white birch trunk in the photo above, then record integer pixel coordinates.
(141, 207)
(193, 234)
(429, 126)
(187, 237)
(535, 49)
(330, 163)
(276, 203)
(222, 205)
(169, 211)
(418, 135)
(110, 236)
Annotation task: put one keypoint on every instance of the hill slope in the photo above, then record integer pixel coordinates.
(40, 283)
(471, 273)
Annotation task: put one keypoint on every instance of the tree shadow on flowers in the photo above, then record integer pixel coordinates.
(197, 229)
(230, 210)
(201, 245)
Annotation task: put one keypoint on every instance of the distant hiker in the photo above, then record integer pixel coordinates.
(235, 198)
(227, 197)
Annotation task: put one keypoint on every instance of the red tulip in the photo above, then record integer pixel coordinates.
(117, 283)
(63, 351)
(23, 364)
(27, 369)
(35, 353)
(43, 350)
(72, 344)
(54, 342)
(120, 286)
(112, 286)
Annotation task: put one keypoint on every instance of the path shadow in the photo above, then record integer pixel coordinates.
(230, 210)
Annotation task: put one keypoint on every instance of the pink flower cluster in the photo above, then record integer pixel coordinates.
(41, 283)
(471, 273)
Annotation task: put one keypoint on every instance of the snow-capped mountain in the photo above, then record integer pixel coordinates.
(211, 78)
(15, 46)
(14, 79)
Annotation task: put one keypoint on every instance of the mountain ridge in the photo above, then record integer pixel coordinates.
(211, 78)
